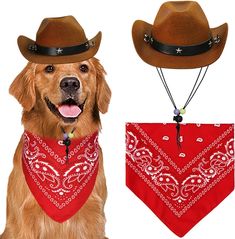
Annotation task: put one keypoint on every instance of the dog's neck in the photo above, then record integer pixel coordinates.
(37, 124)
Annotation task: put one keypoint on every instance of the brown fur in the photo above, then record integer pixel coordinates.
(25, 219)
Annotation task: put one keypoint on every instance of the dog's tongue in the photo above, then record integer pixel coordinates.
(69, 111)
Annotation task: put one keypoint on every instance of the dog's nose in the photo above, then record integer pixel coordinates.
(70, 84)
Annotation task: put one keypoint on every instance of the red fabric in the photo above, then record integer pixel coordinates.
(181, 186)
(60, 188)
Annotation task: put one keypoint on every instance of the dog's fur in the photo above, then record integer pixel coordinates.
(25, 219)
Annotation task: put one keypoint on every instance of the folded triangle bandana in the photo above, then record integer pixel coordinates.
(180, 185)
(60, 185)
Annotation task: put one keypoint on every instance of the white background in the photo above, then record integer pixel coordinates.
(137, 96)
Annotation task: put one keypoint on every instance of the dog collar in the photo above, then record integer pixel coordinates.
(60, 187)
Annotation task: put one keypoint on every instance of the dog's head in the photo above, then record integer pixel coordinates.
(64, 92)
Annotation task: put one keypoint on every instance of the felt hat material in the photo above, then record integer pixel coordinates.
(180, 24)
(59, 40)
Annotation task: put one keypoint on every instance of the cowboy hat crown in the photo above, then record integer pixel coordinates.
(180, 37)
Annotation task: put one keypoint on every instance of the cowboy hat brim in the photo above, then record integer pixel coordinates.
(158, 59)
(24, 42)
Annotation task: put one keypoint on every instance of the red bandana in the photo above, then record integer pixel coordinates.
(181, 186)
(60, 188)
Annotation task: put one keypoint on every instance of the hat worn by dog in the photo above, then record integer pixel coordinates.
(60, 181)
(59, 40)
(180, 171)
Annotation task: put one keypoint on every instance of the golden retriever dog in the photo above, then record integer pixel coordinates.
(39, 89)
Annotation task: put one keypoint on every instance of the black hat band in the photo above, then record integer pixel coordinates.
(181, 50)
(60, 51)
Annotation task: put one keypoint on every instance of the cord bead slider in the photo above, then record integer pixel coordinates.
(176, 111)
(71, 135)
(65, 135)
(67, 142)
(178, 118)
(182, 111)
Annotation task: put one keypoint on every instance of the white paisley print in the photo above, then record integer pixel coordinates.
(154, 167)
(59, 182)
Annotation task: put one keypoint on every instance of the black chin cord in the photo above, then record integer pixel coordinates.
(179, 112)
(67, 141)
(178, 135)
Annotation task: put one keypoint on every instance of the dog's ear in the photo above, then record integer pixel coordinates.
(103, 92)
(23, 88)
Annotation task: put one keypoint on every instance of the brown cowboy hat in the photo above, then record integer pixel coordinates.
(180, 37)
(59, 40)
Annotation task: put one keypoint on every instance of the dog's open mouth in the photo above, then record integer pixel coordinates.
(68, 110)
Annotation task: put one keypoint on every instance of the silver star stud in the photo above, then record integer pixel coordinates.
(178, 50)
(59, 51)
(210, 43)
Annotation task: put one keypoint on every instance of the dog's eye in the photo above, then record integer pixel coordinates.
(84, 68)
(49, 69)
